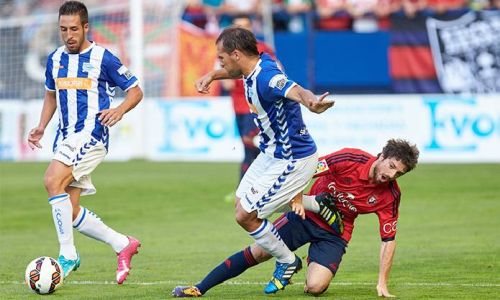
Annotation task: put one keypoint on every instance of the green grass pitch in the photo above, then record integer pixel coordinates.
(448, 234)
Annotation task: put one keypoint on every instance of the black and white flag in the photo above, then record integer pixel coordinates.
(466, 52)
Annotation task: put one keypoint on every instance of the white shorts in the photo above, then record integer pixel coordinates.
(271, 183)
(84, 153)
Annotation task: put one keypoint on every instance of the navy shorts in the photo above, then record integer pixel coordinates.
(325, 248)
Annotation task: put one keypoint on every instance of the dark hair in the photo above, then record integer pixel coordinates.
(403, 151)
(237, 38)
(70, 8)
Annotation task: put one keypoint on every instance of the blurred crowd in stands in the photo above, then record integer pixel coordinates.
(297, 15)
(287, 15)
(21, 8)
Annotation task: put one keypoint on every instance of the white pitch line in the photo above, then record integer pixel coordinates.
(172, 282)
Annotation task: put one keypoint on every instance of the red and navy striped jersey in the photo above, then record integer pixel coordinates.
(345, 174)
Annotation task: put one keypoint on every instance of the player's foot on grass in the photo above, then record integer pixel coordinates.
(69, 265)
(329, 212)
(282, 275)
(124, 259)
(186, 291)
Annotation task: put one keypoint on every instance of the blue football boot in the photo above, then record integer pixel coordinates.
(282, 275)
(69, 265)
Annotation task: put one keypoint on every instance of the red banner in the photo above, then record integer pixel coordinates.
(197, 57)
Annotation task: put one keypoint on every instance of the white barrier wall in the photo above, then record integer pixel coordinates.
(446, 128)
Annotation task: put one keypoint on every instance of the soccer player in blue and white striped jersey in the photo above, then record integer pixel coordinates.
(81, 77)
(288, 158)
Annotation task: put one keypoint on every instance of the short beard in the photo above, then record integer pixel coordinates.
(235, 74)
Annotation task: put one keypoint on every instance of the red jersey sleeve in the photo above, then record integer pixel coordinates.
(388, 215)
(263, 47)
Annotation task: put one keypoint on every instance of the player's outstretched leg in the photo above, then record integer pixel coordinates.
(282, 275)
(124, 259)
(186, 291)
(125, 247)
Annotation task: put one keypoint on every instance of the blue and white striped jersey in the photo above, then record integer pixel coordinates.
(85, 84)
(283, 133)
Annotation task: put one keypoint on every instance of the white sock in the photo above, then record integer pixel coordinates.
(267, 237)
(92, 226)
(310, 203)
(62, 213)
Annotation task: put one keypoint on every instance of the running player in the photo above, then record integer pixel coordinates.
(80, 81)
(288, 155)
(244, 119)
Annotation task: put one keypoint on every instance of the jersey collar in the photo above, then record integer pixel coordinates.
(254, 69)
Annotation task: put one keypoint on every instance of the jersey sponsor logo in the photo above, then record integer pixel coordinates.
(322, 166)
(278, 81)
(390, 227)
(87, 67)
(125, 72)
(343, 198)
(372, 200)
(74, 83)
(253, 190)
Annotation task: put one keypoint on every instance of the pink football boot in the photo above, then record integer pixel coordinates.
(124, 259)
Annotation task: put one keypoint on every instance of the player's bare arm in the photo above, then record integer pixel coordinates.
(309, 100)
(387, 250)
(203, 83)
(49, 107)
(111, 116)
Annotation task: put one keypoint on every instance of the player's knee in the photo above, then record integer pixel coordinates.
(259, 254)
(52, 183)
(315, 288)
(248, 221)
(242, 217)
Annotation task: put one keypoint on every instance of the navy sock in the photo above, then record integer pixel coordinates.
(231, 267)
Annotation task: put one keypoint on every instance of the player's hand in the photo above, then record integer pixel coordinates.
(298, 209)
(202, 85)
(382, 291)
(111, 116)
(321, 104)
(34, 137)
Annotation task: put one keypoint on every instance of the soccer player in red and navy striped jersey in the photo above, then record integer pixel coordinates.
(357, 183)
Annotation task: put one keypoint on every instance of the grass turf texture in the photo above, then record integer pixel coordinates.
(448, 234)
